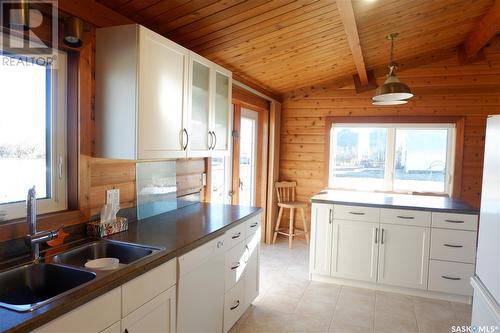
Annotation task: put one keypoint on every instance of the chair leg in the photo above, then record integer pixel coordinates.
(304, 224)
(278, 222)
(290, 230)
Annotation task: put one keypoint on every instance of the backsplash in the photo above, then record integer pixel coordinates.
(156, 188)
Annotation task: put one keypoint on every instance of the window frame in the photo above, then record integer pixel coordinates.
(58, 200)
(455, 152)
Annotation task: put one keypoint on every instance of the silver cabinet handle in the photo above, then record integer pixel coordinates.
(356, 213)
(210, 140)
(330, 216)
(382, 236)
(454, 246)
(187, 139)
(406, 217)
(235, 266)
(450, 278)
(454, 221)
(215, 140)
(376, 235)
(236, 305)
(236, 236)
(254, 225)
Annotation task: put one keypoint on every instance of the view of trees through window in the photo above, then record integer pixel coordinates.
(390, 158)
(23, 132)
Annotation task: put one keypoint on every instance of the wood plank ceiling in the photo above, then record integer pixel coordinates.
(282, 45)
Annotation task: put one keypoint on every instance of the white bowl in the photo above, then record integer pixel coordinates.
(103, 263)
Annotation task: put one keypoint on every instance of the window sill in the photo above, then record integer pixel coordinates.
(18, 227)
(435, 194)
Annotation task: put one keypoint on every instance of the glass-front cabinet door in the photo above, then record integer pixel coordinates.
(222, 111)
(200, 100)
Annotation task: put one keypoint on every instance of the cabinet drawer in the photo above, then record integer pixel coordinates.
(235, 264)
(147, 286)
(454, 221)
(234, 305)
(253, 224)
(453, 245)
(450, 277)
(356, 213)
(234, 235)
(94, 316)
(405, 217)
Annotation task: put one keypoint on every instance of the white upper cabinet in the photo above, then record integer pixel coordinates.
(221, 119)
(155, 99)
(162, 95)
(199, 110)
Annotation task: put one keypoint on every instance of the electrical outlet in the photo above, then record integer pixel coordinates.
(113, 197)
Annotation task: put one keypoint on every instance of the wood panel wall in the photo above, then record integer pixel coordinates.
(441, 88)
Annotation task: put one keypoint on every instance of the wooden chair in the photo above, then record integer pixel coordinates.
(286, 200)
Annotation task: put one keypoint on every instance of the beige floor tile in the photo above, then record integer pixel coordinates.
(399, 305)
(395, 323)
(353, 315)
(307, 323)
(361, 299)
(261, 319)
(315, 308)
(274, 302)
(431, 311)
(339, 327)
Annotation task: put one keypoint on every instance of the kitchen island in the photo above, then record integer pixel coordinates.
(418, 245)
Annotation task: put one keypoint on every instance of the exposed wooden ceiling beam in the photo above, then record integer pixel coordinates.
(93, 12)
(487, 27)
(349, 21)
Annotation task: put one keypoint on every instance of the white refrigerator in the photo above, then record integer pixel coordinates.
(486, 281)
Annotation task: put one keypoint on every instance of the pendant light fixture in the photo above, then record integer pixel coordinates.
(392, 92)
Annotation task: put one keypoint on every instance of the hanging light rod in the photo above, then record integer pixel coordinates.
(392, 92)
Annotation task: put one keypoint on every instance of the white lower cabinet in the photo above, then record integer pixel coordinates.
(321, 243)
(355, 251)
(403, 255)
(92, 317)
(144, 304)
(157, 315)
(394, 248)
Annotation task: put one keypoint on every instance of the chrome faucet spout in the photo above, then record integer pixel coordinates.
(34, 238)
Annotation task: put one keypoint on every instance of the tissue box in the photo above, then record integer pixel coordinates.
(98, 229)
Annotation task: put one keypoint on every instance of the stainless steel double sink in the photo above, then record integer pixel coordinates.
(28, 287)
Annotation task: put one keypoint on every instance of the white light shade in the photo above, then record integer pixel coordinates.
(395, 102)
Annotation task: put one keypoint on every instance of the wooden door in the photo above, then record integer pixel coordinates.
(157, 315)
(321, 238)
(354, 250)
(403, 255)
(163, 73)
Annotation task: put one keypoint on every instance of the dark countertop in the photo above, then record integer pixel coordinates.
(177, 232)
(399, 201)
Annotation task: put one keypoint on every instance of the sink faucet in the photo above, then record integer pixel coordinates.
(34, 238)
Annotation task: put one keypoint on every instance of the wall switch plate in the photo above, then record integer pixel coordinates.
(113, 197)
(204, 179)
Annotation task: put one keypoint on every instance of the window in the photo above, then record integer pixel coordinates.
(32, 135)
(392, 157)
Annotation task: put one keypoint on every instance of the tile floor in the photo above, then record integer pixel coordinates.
(289, 302)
